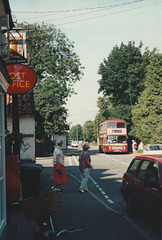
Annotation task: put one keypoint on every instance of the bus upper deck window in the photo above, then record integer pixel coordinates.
(111, 125)
(120, 125)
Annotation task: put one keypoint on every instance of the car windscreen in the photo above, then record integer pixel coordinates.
(116, 139)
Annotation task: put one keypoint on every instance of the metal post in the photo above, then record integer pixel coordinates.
(15, 123)
(8, 32)
(97, 133)
(77, 135)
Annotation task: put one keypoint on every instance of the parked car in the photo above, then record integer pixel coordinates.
(142, 184)
(153, 149)
(74, 144)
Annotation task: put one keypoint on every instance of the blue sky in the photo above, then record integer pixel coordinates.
(95, 26)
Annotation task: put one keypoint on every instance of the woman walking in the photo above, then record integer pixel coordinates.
(59, 171)
(84, 167)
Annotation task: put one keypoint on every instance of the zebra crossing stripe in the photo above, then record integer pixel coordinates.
(76, 160)
(71, 161)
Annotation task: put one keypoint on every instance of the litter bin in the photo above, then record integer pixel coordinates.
(30, 179)
(27, 160)
(12, 179)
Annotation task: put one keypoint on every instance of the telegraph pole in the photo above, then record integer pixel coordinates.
(77, 135)
(97, 131)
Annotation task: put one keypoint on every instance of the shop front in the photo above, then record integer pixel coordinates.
(5, 79)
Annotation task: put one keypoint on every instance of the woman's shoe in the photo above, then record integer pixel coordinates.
(59, 190)
(81, 191)
(86, 190)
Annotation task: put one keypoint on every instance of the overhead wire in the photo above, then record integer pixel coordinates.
(108, 14)
(105, 8)
(91, 8)
(67, 10)
(58, 11)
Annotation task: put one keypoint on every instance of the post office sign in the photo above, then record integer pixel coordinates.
(23, 77)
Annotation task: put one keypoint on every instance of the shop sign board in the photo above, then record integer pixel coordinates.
(23, 77)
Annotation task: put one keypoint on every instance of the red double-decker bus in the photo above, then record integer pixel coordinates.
(113, 136)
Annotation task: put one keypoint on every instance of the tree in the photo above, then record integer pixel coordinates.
(57, 68)
(108, 111)
(88, 131)
(122, 80)
(147, 112)
(76, 133)
(123, 74)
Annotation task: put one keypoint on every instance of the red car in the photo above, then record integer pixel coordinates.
(142, 184)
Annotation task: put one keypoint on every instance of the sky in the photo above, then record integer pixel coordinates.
(95, 27)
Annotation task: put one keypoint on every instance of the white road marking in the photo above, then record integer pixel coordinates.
(125, 163)
(118, 161)
(102, 192)
(106, 197)
(115, 159)
(132, 223)
(71, 161)
(75, 158)
(110, 201)
(99, 200)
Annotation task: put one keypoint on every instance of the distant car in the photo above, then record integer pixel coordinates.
(74, 144)
(153, 149)
(142, 185)
(69, 142)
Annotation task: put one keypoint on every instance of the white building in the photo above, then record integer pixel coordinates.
(60, 137)
(26, 123)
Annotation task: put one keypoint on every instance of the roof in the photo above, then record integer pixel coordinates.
(25, 102)
(151, 157)
(116, 120)
(113, 120)
(5, 10)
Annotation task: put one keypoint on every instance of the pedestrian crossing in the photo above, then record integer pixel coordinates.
(71, 161)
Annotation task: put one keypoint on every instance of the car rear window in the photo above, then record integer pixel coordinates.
(152, 148)
(133, 166)
(142, 169)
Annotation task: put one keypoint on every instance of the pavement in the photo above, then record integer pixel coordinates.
(82, 212)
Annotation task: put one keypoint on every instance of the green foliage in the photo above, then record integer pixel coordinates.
(123, 74)
(108, 111)
(76, 133)
(147, 112)
(57, 68)
(122, 80)
(88, 131)
(50, 105)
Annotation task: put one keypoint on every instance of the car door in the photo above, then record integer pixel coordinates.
(138, 193)
(151, 191)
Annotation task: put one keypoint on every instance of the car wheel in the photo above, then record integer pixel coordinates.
(131, 208)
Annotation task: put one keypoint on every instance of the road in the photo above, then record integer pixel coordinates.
(105, 183)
